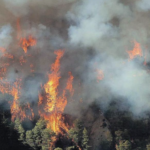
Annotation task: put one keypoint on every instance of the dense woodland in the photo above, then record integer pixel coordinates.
(128, 132)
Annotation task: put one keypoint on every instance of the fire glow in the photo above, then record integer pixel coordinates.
(55, 104)
(137, 51)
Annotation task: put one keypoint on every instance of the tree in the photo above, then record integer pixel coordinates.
(41, 124)
(37, 135)
(76, 133)
(85, 140)
(37, 131)
(21, 131)
(30, 139)
(47, 135)
(73, 134)
(124, 145)
(17, 124)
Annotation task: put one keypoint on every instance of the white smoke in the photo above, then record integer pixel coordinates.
(143, 5)
(93, 27)
(5, 35)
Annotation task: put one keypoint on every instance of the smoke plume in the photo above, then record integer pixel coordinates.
(95, 35)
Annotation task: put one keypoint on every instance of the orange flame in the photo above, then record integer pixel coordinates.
(55, 104)
(15, 109)
(25, 43)
(69, 83)
(137, 51)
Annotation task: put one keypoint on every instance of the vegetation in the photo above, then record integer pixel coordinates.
(79, 135)
(39, 137)
(128, 133)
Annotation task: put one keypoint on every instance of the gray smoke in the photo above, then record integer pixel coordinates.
(108, 27)
(5, 36)
(94, 34)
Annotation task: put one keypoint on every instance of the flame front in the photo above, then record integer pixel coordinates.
(55, 104)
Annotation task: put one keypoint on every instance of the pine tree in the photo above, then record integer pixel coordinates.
(123, 145)
(30, 139)
(17, 124)
(73, 134)
(79, 129)
(76, 132)
(37, 135)
(21, 131)
(47, 135)
(41, 124)
(85, 140)
(37, 132)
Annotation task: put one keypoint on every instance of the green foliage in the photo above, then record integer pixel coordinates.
(37, 131)
(30, 139)
(148, 147)
(17, 124)
(58, 148)
(21, 131)
(70, 148)
(85, 140)
(79, 136)
(47, 135)
(73, 134)
(38, 138)
(124, 145)
(76, 132)
(41, 124)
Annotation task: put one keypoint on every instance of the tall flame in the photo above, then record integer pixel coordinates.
(55, 104)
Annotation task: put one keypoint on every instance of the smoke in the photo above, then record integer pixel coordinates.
(143, 5)
(108, 27)
(95, 35)
(5, 35)
(17, 7)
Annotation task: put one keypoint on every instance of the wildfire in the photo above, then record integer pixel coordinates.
(55, 104)
(16, 110)
(26, 42)
(69, 83)
(137, 51)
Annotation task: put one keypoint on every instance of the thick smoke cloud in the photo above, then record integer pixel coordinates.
(94, 34)
(109, 28)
